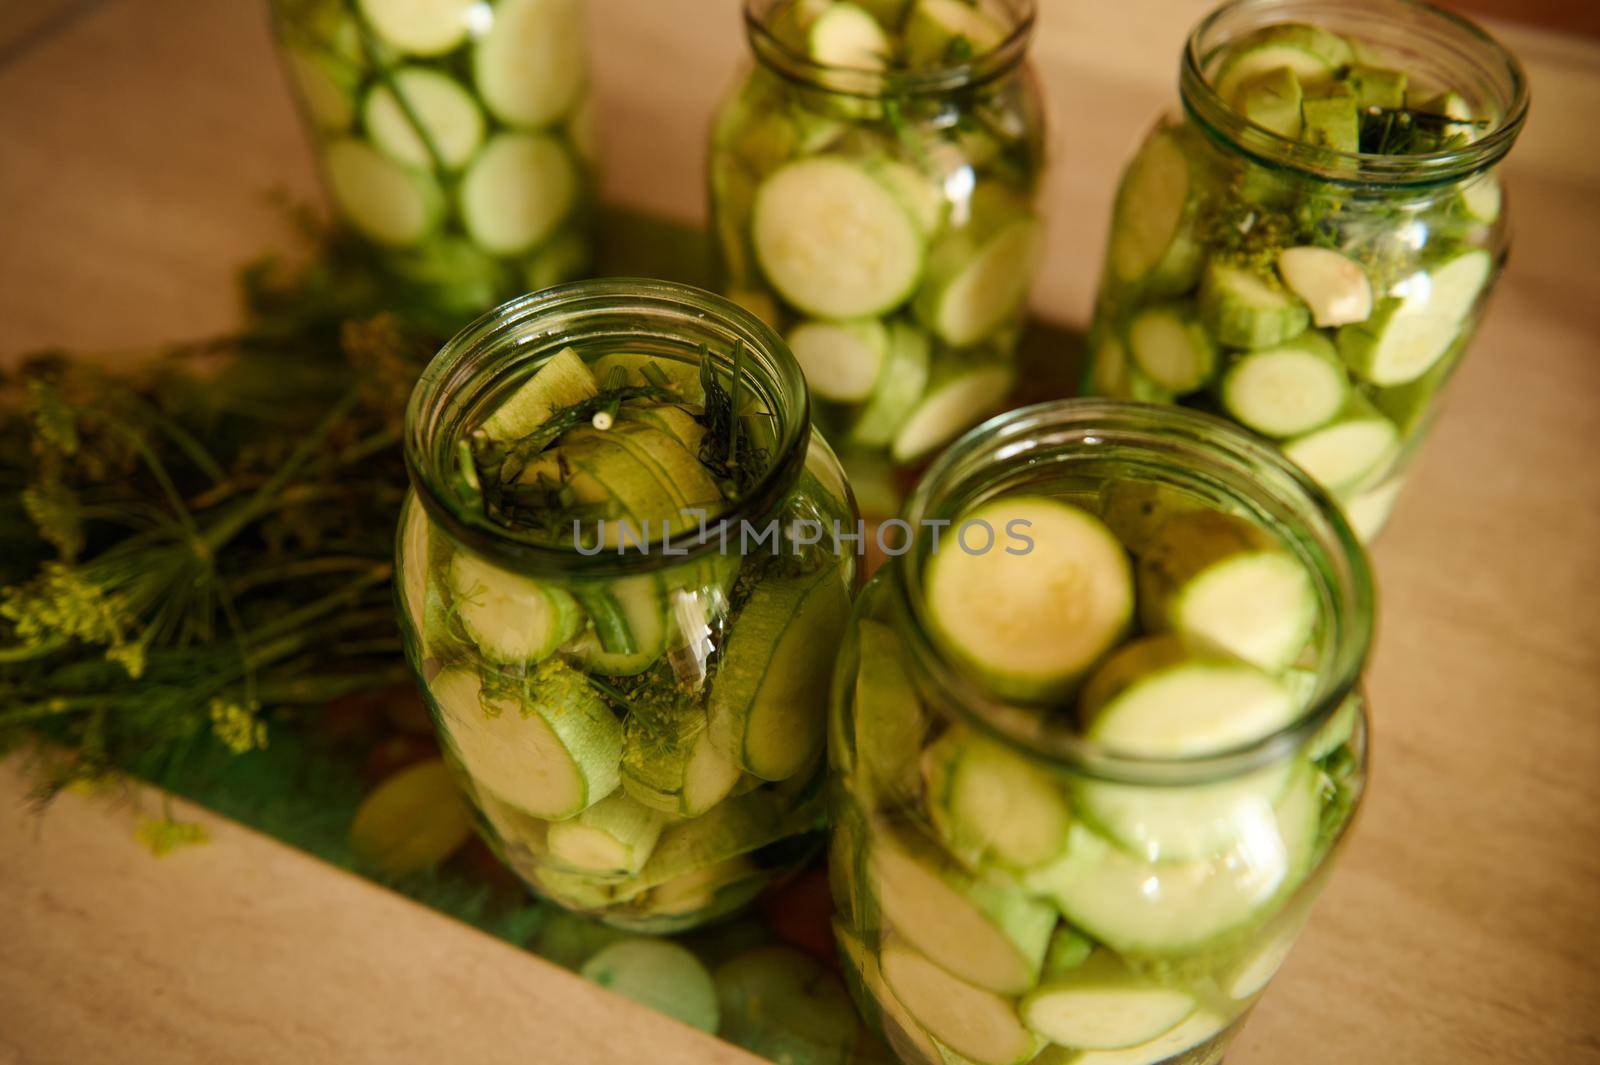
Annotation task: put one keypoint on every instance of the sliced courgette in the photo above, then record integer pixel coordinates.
(990, 804)
(889, 719)
(517, 192)
(614, 836)
(972, 1021)
(767, 702)
(1311, 52)
(392, 204)
(530, 65)
(432, 27)
(1157, 698)
(561, 381)
(1349, 452)
(834, 240)
(551, 754)
(900, 385)
(514, 620)
(449, 118)
(842, 361)
(1287, 390)
(1409, 333)
(670, 764)
(981, 929)
(1172, 348)
(1224, 582)
(1171, 908)
(1103, 1005)
(959, 395)
(978, 278)
(1152, 239)
(1052, 592)
(1243, 309)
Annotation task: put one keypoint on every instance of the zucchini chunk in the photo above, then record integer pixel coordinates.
(834, 240)
(1246, 310)
(1349, 452)
(972, 1021)
(514, 620)
(615, 835)
(842, 361)
(530, 65)
(1152, 239)
(1226, 583)
(1165, 909)
(661, 975)
(889, 719)
(517, 191)
(959, 395)
(981, 929)
(766, 703)
(989, 804)
(447, 113)
(562, 381)
(392, 204)
(1157, 698)
(1311, 52)
(1102, 1005)
(1172, 348)
(898, 389)
(1031, 623)
(783, 1005)
(552, 754)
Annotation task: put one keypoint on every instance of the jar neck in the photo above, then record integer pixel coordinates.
(480, 365)
(1452, 51)
(1088, 442)
(797, 66)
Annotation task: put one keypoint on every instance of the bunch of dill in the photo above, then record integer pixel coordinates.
(198, 551)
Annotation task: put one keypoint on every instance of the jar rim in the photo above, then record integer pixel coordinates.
(1490, 58)
(540, 324)
(1309, 520)
(799, 67)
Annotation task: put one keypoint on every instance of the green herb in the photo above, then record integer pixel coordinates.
(1413, 131)
(959, 50)
(491, 471)
(199, 550)
(727, 450)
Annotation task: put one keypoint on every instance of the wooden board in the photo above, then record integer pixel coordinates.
(244, 950)
(136, 147)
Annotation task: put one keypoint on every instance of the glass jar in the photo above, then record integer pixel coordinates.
(1020, 878)
(882, 216)
(1318, 295)
(457, 140)
(659, 759)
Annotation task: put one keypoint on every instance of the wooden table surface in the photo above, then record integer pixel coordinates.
(137, 142)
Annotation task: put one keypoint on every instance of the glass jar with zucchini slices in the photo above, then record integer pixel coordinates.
(1096, 738)
(873, 183)
(456, 139)
(619, 588)
(1308, 246)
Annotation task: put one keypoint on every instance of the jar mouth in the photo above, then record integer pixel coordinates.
(610, 315)
(799, 67)
(1204, 454)
(1476, 65)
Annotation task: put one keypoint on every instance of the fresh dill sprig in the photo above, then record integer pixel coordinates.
(489, 473)
(177, 526)
(727, 450)
(1414, 131)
